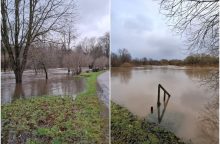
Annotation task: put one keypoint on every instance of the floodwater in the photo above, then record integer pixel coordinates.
(58, 83)
(191, 112)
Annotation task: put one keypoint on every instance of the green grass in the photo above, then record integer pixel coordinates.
(128, 129)
(56, 120)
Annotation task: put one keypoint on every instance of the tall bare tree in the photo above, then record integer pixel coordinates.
(198, 20)
(42, 56)
(24, 21)
(105, 42)
(101, 62)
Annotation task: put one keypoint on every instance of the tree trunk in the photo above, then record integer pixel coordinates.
(18, 75)
(5, 63)
(35, 70)
(45, 70)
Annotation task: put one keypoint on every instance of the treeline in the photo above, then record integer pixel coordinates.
(123, 58)
(89, 52)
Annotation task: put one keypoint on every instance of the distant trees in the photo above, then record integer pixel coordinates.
(123, 56)
(201, 59)
(23, 22)
(176, 62)
(105, 42)
(198, 20)
(195, 59)
(41, 56)
(95, 49)
(115, 60)
(101, 62)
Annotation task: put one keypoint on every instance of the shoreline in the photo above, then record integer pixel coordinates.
(127, 128)
(54, 119)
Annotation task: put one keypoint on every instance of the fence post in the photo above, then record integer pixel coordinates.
(158, 97)
(151, 109)
(164, 97)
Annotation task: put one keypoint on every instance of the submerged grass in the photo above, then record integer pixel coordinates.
(128, 129)
(56, 120)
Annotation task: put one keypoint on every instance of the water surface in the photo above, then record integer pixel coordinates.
(59, 84)
(192, 110)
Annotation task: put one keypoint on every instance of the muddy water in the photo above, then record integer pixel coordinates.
(192, 110)
(59, 83)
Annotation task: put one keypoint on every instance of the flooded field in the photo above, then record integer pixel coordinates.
(191, 112)
(59, 83)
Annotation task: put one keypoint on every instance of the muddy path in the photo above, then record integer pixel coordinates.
(103, 94)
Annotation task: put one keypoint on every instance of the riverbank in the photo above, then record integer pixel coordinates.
(127, 128)
(52, 119)
(130, 65)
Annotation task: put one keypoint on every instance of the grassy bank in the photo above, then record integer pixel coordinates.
(52, 119)
(126, 128)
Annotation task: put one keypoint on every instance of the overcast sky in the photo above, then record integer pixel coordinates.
(93, 17)
(139, 27)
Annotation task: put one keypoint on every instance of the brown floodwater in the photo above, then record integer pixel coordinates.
(191, 112)
(59, 84)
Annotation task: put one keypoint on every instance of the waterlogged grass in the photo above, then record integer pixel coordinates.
(56, 120)
(127, 129)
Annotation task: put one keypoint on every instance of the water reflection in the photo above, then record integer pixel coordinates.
(125, 74)
(209, 122)
(34, 85)
(209, 115)
(197, 73)
(165, 102)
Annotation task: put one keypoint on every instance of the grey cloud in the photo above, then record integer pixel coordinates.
(138, 23)
(165, 45)
(94, 17)
(142, 31)
(92, 10)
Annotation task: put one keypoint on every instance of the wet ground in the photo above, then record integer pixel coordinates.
(191, 112)
(103, 93)
(59, 83)
(103, 81)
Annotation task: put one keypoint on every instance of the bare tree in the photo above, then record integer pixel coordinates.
(101, 62)
(4, 59)
(198, 20)
(105, 42)
(124, 55)
(33, 59)
(42, 56)
(67, 62)
(88, 60)
(25, 21)
(85, 45)
(68, 34)
(76, 62)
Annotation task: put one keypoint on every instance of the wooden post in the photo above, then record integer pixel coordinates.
(152, 109)
(158, 113)
(164, 97)
(158, 97)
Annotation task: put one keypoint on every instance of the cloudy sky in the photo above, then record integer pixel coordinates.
(93, 17)
(139, 27)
